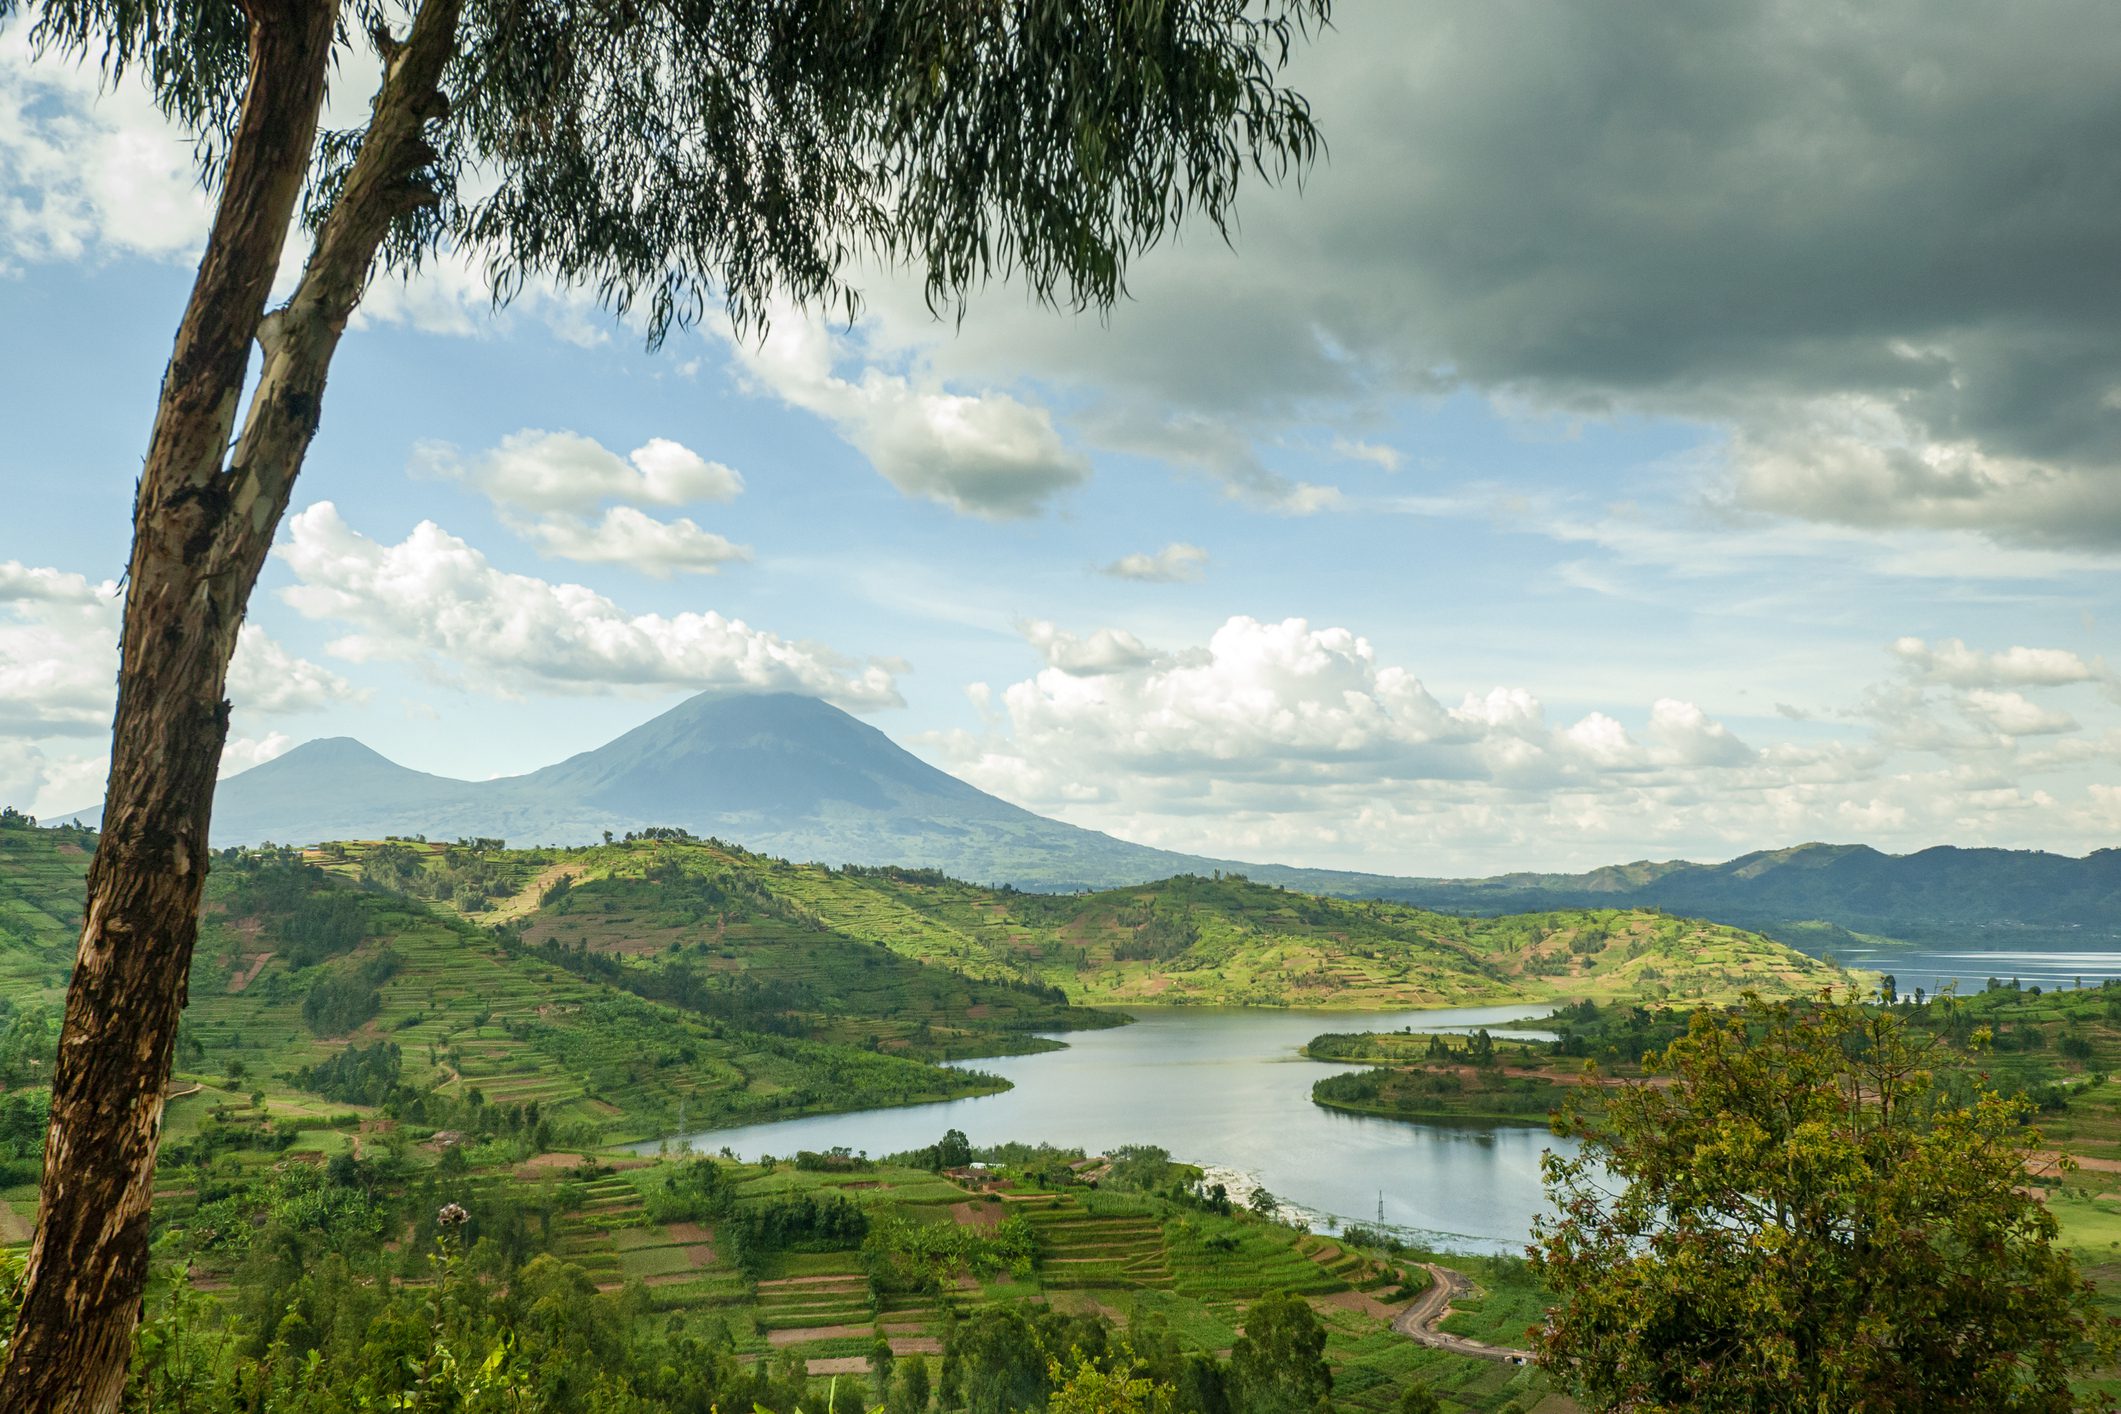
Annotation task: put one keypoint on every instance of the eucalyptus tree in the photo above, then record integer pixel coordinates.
(676, 158)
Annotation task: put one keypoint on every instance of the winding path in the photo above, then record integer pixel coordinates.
(1419, 1321)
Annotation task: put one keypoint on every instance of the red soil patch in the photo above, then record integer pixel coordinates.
(68, 848)
(1360, 1302)
(242, 980)
(987, 1215)
(915, 1345)
(840, 1365)
(689, 1232)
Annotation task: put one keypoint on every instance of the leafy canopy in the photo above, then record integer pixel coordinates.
(673, 154)
(1799, 1220)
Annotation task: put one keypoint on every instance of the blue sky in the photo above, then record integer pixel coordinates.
(1598, 459)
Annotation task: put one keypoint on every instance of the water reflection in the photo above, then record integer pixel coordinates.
(1227, 1088)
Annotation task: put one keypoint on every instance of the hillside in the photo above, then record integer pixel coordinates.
(1944, 894)
(797, 778)
(785, 774)
(647, 908)
(298, 969)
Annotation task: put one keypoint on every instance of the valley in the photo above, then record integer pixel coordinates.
(377, 1028)
(544, 1036)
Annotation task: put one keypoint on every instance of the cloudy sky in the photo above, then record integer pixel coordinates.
(1657, 430)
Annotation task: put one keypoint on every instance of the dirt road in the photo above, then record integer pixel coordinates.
(1419, 1321)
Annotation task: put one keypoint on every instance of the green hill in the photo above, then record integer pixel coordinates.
(1816, 895)
(299, 968)
(626, 991)
(673, 915)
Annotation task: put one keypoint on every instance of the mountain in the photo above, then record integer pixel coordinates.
(778, 773)
(798, 778)
(1935, 895)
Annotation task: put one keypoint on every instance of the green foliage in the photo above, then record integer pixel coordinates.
(691, 1190)
(805, 1222)
(310, 918)
(1278, 1365)
(904, 1256)
(343, 997)
(1801, 1220)
(357, 1075)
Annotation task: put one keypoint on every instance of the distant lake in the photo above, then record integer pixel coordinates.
(1932, 968)
(1226, 1089)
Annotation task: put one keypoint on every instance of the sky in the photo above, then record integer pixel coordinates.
(1652, 431)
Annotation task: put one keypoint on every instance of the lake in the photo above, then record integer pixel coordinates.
(1227, 1090)
(1932, 969)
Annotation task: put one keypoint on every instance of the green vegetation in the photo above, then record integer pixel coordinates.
(368, 1047)
(749, 939)
(1817, 896)
(1801, 1219)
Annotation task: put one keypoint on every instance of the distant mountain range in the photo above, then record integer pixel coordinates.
(1807, 894)
(796, 777)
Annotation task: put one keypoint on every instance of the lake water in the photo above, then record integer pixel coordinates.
(1226, 1089)
(1932, 968)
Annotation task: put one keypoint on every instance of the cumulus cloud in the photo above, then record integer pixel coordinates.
(1295, 743)
(1106, 650)
(1175, 563)
(534, 470)
(86, 171)
(1295, 705)
(243, 752)
(1951, 661)
(2013, 714)
(433, 600)
(547, 487)
(625, 536)
(988, 454)
(59, 659)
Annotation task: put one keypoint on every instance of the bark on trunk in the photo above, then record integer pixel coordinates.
(202, 527)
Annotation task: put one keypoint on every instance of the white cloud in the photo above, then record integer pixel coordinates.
(538, 471)
(86, 171)
(45, 784)
(264, 677)
(625, 536)
(1294, 743)
(1104, 651)
(243, 752)
(987, 454)
(1375, 453)
(434, 600)
(561, 478)
(2013, 714)
(1951, 661)
(1177, 562)
(59, 659)
(1859, 462)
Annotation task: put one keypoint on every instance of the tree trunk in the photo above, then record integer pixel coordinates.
(201, 531)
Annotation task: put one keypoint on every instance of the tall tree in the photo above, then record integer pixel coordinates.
(675, 157)
(1278, 1366)
(1800, 1221)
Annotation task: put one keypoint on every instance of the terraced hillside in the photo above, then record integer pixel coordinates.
(698, 905)
(306, 984)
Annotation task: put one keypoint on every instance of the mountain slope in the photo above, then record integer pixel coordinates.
(782, 774)
(795, 777)
(1939, 894)
(694, 918)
